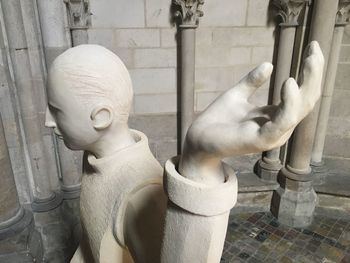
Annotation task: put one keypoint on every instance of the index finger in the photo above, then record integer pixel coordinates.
(253, 80)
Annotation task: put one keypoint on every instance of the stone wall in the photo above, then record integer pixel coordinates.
(338, 135)
(233, 37)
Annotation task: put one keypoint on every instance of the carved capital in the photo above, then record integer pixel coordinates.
(189, 11)
(289, 10)
(78, 13)
(343, 13)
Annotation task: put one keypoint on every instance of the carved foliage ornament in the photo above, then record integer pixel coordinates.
(189, 11)
(289, 10)
(343, 13)
(78, 13)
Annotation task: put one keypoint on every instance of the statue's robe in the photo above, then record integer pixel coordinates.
(122, 206)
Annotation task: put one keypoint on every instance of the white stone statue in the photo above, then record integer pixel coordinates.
(125, 214)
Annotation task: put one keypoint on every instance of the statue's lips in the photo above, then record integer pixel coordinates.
(58, 134)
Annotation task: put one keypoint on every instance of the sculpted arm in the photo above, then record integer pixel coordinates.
(201, 189)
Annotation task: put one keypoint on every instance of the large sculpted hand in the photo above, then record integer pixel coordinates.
(231, 125)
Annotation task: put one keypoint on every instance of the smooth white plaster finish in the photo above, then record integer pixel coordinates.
(125, 214)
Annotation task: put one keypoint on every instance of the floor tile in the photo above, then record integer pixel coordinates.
(259, 237)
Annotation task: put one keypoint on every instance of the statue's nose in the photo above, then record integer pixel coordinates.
(49, 120)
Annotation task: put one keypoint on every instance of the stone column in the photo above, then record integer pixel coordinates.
(13, 218)
(188, 14)
(79, 20)
(293, 203)
(341, 22)
(30, 98)
(54, 28)
(56, 39)
(288, 11)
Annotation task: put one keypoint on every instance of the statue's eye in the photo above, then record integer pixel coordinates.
(53, 109)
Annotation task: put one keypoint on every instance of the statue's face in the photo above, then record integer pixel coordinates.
(68, 115)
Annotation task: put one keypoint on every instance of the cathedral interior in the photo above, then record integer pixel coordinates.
(293, 201)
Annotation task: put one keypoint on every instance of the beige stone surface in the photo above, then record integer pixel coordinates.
(222, 56)
(118, 14)
(231, 36)
(243, 36)
(213, 79)
(345, 54)
(157, 103)
(258, 12)
(227, 13)
(155, 58)
(101, 36)
(158, 13)
(343, 77)
(159, 80)
(346, 39)
(262, 54)
(341, 99)
(135, 38)
(203, 99)
(168, 37)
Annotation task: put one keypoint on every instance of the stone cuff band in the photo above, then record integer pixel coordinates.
(198, 198)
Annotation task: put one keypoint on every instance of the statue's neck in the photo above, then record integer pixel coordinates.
(113, 141)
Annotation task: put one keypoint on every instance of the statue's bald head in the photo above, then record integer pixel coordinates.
(96, 76)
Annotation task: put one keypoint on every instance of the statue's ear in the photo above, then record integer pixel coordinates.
(102, 117)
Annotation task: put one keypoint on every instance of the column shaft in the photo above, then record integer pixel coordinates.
(270, 164)
(283, 67)
(79, 36)
(13, 218)
(293, 203)
(56, 39)
(9, 204)
(329, 85)
(38, 165)
(189, 13)
(54, 28)
(322, 26)
(188, 41)
(78, 12)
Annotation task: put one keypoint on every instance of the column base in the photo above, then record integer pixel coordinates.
(320, 171)
(293, 203)
(19, 241)
(70, 192)
(268, 171)
(16, 224)
(316, 164)
(47, 204)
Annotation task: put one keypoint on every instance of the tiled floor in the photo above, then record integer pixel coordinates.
(259, 237)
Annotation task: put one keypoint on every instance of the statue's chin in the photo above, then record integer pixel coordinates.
(70, 146)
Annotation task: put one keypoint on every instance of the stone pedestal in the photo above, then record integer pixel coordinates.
(268, 170)
(293, 203)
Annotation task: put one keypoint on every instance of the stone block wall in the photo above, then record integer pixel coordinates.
(233, 37)
(338, 134)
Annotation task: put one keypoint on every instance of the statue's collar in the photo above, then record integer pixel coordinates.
(110, 162)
